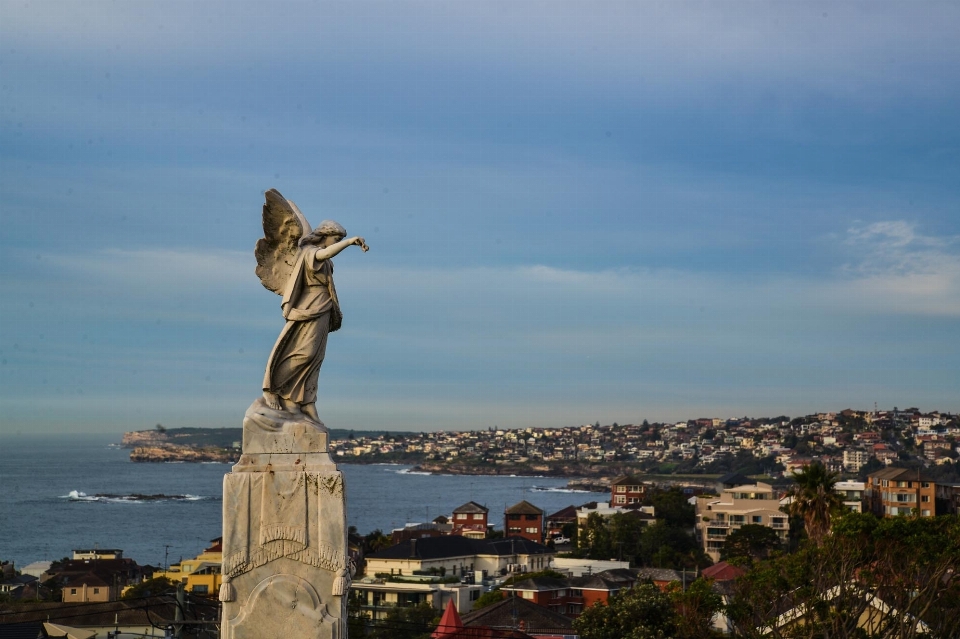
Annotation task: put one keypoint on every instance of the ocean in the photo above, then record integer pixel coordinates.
(49, 503)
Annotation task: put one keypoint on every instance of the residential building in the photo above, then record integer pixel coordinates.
(625, 490)
(419, 531)
(456, 556)
(645, 513)
(523, 520)
(735, 507)
(576, 567)
(104, 578)
(378, 597)
(854, 459)
(722, 577)
(200, 575)
(513, 612)
(900, 491)
(571, 596)
(89, 588)
(852, 494)
(85, 554)
(947, 498)
(556, 521)
(470, 520)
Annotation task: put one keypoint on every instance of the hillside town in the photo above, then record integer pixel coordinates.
(696, 508)
(523, 568)
(846, 442)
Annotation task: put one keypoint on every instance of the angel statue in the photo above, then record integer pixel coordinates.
(296, 263)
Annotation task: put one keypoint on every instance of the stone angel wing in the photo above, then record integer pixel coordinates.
(276, 251)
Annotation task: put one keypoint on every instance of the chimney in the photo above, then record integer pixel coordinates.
(413, 549)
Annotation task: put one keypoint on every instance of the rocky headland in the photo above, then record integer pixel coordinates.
(183, 453)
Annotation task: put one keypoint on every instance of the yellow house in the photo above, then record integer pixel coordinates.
(201, 575)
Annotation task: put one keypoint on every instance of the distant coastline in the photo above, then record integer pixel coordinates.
(195, 445)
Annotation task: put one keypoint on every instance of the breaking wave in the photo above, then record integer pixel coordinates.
(76, 495)
(407, 471)
(556, 489)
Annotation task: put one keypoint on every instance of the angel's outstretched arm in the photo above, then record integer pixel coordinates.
(327, 252)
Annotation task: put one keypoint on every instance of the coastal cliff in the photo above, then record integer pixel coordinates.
(180, 453)
(183, 444)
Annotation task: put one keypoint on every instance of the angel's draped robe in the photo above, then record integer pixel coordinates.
(308, 299)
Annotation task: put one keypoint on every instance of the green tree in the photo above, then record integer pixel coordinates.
(488, 599)
(151, 588)
(751, 541)
(642, 612)
(870, 467)
(896, 573)
(695, 607)
(815, 499)
(596, 538)
(672, 507)
(406, 622)
(665, 546)
(375, 541)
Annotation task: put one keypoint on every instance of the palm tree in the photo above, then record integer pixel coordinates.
(815, 500)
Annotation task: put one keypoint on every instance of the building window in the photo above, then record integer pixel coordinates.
(73, 591)
(925, 498)
(532, 531)
(531, 517)
(461, 515)
(478, 516)
(526, 594)
(620, 499)
(621, 489)
(96, 591)
(925, 484)
(757, 519)
(925, 513)
(201, 589)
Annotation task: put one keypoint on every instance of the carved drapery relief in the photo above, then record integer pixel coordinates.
(297, 515)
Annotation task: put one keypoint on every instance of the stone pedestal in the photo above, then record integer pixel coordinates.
(285, 564)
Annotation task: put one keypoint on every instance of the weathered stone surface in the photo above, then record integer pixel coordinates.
(267, 430)
(286, 572)
(284, 530)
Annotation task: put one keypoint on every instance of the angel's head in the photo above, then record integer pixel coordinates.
(326, 229)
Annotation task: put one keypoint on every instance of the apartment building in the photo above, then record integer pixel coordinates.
(754, 503)
(855, 459)
(470, 520)
(200, 575)
(852, 494)
(523, 520)
(626, 490)
(899, 491)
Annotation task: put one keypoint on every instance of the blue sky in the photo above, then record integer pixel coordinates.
(576, 211)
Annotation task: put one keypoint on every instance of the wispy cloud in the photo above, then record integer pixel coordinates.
(894, 268)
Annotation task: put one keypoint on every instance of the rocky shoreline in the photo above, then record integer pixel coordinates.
(182, 453)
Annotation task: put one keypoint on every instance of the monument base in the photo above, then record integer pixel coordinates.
(285, 567)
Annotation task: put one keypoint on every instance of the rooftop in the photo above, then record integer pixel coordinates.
(523, 508)
(471, 507)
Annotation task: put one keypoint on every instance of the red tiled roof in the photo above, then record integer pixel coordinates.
(722, 572)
